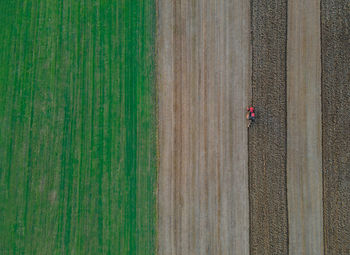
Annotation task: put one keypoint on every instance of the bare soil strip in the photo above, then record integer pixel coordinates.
(267, 139)
(203, 80)
(335, 17)
(304, 151)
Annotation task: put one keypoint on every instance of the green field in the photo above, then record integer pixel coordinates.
(78, 148)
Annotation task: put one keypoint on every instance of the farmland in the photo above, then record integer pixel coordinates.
(78, 127)
(123, 130)
(282, 187)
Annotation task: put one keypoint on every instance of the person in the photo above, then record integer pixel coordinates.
(252, 117)
(251, 114)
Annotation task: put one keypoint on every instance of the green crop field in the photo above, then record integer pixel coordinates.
(78, 150)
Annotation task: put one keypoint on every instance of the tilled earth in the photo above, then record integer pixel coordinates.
(200, 194)
(267, 139)
(335, 18)
(203, 89)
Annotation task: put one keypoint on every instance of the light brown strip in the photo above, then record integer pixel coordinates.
(304, 154)
(203, 80)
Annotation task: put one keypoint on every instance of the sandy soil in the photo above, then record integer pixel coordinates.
(304, 135)
(203, 79)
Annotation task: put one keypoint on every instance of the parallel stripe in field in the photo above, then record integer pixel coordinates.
(304, 148)
(203, 80)
(267, 138)
(335, 39)
(78, 127)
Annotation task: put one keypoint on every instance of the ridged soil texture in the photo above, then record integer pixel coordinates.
(335, 32)
(267, 138)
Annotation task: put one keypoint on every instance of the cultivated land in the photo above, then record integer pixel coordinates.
(77, 127)
(78, 134)
(304, 134)
(335, 28)
(203, 76)
(202, 68)
(267, 139)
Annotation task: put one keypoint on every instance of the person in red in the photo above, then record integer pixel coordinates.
(252, 117)
(251, 114)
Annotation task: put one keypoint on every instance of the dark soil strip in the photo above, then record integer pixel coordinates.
(335, 28)
(267, 138)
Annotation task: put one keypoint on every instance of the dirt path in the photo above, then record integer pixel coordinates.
(304, 151)
(203, 80)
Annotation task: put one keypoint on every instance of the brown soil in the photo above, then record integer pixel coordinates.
(304, 128)
(267, 139)
(335, 25)
(203, 79)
